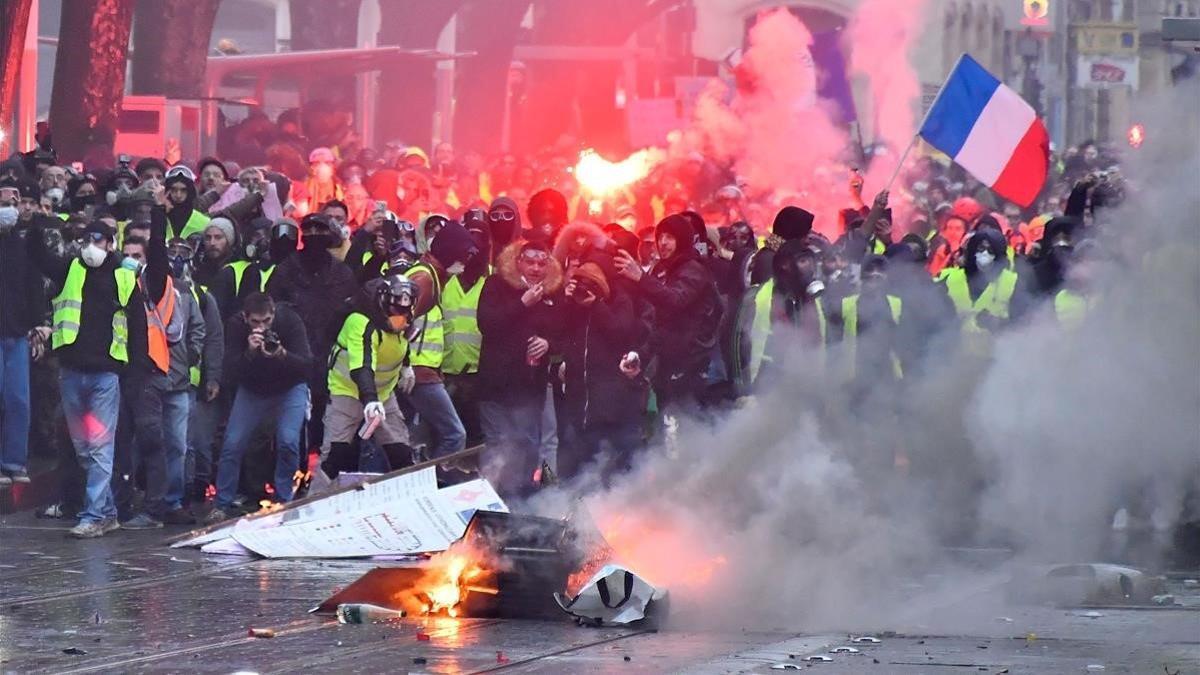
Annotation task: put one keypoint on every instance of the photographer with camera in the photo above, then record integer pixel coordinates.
(267, 364)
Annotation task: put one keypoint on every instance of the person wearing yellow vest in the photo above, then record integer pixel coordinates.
(460, 365)
(985, 291)
(183, 219)
(98, 324)
(870, 330)
(427, 344)
(777, 316)
(156, 389)
(365, 374)
(250, 273)
(1077, 298)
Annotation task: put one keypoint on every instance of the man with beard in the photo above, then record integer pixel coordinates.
(217, 248)
(249, 274)
(183, 220)
(317, 286)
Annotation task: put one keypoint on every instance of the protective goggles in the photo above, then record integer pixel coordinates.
(181, 170)
(502, 216)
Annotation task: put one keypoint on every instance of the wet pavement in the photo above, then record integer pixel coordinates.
(126, 603)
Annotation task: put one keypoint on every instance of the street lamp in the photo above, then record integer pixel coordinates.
(1029, 48)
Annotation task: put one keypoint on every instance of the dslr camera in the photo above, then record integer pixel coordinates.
(271, 343)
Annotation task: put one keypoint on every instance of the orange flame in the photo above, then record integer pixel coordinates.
(446, 582)
(598, 176)
(652, 550)
(268, 506)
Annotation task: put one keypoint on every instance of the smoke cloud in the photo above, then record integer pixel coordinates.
(808, 508)
(777, 133)
(880, 40)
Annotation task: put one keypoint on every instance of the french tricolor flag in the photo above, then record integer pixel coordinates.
(990, 131)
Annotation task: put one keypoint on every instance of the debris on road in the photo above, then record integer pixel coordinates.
(360, 612)
(261, 633)
(74, 651)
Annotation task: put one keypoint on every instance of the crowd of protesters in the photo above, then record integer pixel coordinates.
(181, 338)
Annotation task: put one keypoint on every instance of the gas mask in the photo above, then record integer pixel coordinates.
(92, 255)
(8, 217)
(397, 297)
(984, 259)
(815, 288)
(180, 266)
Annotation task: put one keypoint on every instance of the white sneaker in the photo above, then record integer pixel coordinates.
(87, 530)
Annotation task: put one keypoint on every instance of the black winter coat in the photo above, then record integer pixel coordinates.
(596, 339)
(687, 312)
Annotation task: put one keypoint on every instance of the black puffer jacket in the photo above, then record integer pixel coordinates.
(596, 339)
(23, 302)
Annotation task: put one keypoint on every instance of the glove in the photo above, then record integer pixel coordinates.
(374, 409)
(408, 379)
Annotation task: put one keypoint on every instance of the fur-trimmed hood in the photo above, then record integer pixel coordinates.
(572, 233)
(506, 268)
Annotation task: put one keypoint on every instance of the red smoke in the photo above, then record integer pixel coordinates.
(777, 132)
(879, 40)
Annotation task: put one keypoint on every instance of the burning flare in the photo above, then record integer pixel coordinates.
(600, 177)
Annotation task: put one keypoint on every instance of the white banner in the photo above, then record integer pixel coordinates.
(400, 487)
(381, 525)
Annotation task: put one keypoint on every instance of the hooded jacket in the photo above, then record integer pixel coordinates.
(686, 306)
(184, 220)
(507, 325)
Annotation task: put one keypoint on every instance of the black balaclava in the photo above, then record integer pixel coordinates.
(477, 224)
(317, 242)
(504, 231)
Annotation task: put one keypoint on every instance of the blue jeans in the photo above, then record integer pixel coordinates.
(175, 408)
(433, 404)
(286, 411)
(91, 402)
(512, 432)
(14, 403)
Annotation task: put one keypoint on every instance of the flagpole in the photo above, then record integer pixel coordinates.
(924, 119)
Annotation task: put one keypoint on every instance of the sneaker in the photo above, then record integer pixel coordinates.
(87, 530)
(52, 511)
(142, 521)
(216, 516)
(19, 476)
(179, 517)
(110, 525)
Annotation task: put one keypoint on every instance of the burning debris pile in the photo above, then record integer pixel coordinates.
(515, 567)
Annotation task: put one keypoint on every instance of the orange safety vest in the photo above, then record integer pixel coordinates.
(158, 317)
